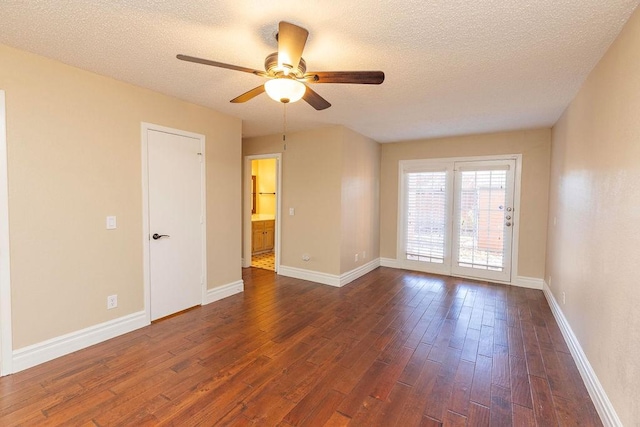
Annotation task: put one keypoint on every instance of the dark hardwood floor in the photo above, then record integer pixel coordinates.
(392, 348)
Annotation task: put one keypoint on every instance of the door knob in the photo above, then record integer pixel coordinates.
(157, 236)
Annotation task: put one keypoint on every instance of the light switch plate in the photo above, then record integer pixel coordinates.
(111, 223)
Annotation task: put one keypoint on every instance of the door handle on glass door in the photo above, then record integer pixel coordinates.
(157, 236)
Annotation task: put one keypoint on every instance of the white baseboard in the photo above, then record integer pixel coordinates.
(352, 275)
(528, 282)
(389, 262)
(310, 275)
(599, 397)
(326, 278)
(36, 354)
(44, 351)
(223, 291)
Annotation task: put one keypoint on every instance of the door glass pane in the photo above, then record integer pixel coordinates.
(426, 216)
(481, 219)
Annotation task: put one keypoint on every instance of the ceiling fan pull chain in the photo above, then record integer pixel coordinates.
(284, 124)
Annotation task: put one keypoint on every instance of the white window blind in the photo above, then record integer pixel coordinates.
(426, 210)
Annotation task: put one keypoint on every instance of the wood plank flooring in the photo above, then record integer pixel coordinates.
(393, 348)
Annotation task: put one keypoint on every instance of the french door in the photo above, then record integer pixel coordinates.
(457, 217)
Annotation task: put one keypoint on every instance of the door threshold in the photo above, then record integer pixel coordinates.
(177, 313)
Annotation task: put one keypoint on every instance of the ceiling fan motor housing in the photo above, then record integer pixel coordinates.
(271, 67)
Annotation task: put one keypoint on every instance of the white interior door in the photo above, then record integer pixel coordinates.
(175, 222)
(483, 219)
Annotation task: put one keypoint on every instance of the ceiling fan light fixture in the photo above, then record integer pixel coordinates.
(285, 90)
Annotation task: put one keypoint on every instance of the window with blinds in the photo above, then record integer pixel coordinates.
(426, 213)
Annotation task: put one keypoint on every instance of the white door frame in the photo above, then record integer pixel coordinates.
(246, 253)
(408, 164)
(146, 240)
(6, 339)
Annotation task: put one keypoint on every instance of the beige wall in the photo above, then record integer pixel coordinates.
(330, 177)
(74, 157)
(311, 180)
(534, 145)
(594, 248)
(360, 200)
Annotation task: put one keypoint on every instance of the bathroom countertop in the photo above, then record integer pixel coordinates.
(262, 217)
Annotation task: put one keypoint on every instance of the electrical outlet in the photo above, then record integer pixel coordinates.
(356, 257)
(112, 301)
(305, 257)
(364, 254)
(549, 281)
(564, 298)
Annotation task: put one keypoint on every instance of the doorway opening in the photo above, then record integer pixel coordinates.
(262, 211)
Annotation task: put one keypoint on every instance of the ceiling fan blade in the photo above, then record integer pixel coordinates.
(355, 77)
(248, 95)
(315, 100)
(220, 64)
(291, 41)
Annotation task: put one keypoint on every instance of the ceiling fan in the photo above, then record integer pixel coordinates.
(287, 71)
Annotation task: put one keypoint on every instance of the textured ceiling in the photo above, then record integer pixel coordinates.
(452, 67)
